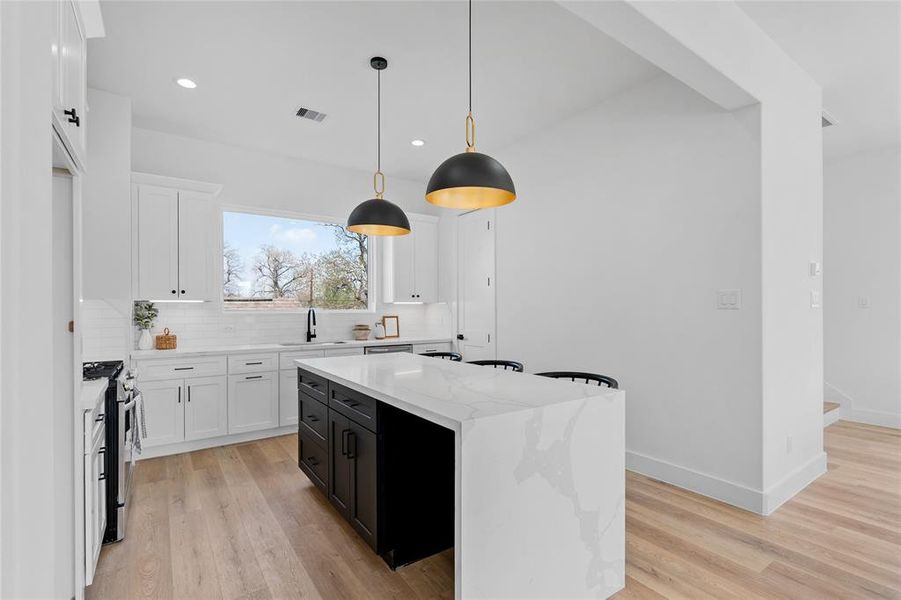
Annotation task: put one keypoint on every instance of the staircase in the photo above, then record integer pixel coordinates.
(831, 413)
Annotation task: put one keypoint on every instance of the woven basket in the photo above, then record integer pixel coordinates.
(166, 341)
(361, 332)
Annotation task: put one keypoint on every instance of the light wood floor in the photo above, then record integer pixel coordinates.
(243, 522)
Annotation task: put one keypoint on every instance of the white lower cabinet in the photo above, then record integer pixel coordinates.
(179, 410)
(206, 408)
(164, 413)
(94, 502)
(287, 397)
(252, 402)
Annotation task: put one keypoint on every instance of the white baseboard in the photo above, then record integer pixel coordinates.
(832, 416)
(776, 495)
(225, 440)
(729, 492)
(873, 417)
(736, 494)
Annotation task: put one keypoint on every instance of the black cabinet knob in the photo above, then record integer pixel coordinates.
(182, 291)
(174, 292)
(460, 336)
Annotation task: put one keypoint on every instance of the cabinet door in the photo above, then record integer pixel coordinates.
(361, 454)
(252, 402)
(206, 407)
(164, 414)
(90, 518)
(339, 465)
(99, 502)
(195, 246)
(398, 267)
(71, 77)
(157, 243)
(287, 397)
(425, 253)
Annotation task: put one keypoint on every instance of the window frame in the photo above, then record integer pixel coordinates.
(299, 216)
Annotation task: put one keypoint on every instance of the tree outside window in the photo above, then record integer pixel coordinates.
(277, 263)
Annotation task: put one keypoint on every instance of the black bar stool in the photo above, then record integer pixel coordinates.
(589, 378)
(511, 365)
(445, 355)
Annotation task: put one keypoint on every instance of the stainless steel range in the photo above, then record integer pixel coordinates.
(119, 416)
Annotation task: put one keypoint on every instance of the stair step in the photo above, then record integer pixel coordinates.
(830, 406)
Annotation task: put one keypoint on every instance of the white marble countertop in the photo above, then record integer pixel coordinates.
(91, 392)
(446, 392)
(290, 347)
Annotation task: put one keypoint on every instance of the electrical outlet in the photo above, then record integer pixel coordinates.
(728, 299)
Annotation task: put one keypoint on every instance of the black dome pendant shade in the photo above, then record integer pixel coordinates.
(378, 216)
(470, 179)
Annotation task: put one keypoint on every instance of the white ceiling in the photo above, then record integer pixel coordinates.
(256, 63)
(852, 49)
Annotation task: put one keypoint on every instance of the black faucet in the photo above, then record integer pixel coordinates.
(311, 324)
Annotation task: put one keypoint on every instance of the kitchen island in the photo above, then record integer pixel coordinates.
(535, 468)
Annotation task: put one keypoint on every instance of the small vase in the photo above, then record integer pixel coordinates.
(145, 342)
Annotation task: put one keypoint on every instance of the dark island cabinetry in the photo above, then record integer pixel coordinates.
(388, 473)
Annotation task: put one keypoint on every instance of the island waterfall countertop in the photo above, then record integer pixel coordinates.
(539, 470)
(282, 347)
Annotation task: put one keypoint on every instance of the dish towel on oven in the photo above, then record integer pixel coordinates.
(139, 431)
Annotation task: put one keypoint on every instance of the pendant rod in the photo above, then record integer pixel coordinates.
(470, 56)
(379, 119)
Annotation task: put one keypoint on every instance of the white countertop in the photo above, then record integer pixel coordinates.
(209, 350)
(446, 392)
(91, 392)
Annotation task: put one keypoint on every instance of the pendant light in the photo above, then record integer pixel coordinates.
(470, 179)
(378, 216)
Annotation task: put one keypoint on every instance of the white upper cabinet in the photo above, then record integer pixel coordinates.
(196, 249)
(410, 263)
(157, 243)
(176, 240)
(69, 82)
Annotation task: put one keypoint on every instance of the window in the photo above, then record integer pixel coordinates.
(278, 263)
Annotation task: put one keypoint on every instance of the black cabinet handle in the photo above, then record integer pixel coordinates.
(344, 441)
(351, 454)
(254, 377)
(73, 116)
(313, 418)
(254, 363)
(312, 461)
(189, 393)
(179, 394)
(183, 369)
(460, 336)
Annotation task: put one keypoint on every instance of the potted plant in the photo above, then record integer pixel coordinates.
(145, 314)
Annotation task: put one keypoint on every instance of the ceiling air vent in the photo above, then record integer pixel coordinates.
(306, 113)
(827, 120)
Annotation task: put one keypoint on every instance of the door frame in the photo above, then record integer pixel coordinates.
(492, 218)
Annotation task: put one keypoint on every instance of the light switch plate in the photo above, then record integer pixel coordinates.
(815, 299)
(728, 299)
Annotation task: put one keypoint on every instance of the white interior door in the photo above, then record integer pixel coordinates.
(476, 296)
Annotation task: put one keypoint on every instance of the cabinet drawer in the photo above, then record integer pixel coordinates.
(313, 460)
(437, 347)
(354, 405)
(352, 351)
(313, 418)
(286, 359)
(312, 385)
(203, 366)
(252, 363)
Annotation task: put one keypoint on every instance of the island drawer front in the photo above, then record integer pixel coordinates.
(312, 385)
(252, 363)
(354, 405)
(313, 460)
(313, 419)
(201, 366)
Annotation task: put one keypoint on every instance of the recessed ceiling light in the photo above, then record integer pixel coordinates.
(186, 83)
(418, 143)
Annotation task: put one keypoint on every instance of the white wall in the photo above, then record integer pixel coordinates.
(29, 527)
(628, 219)
(862, 243)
